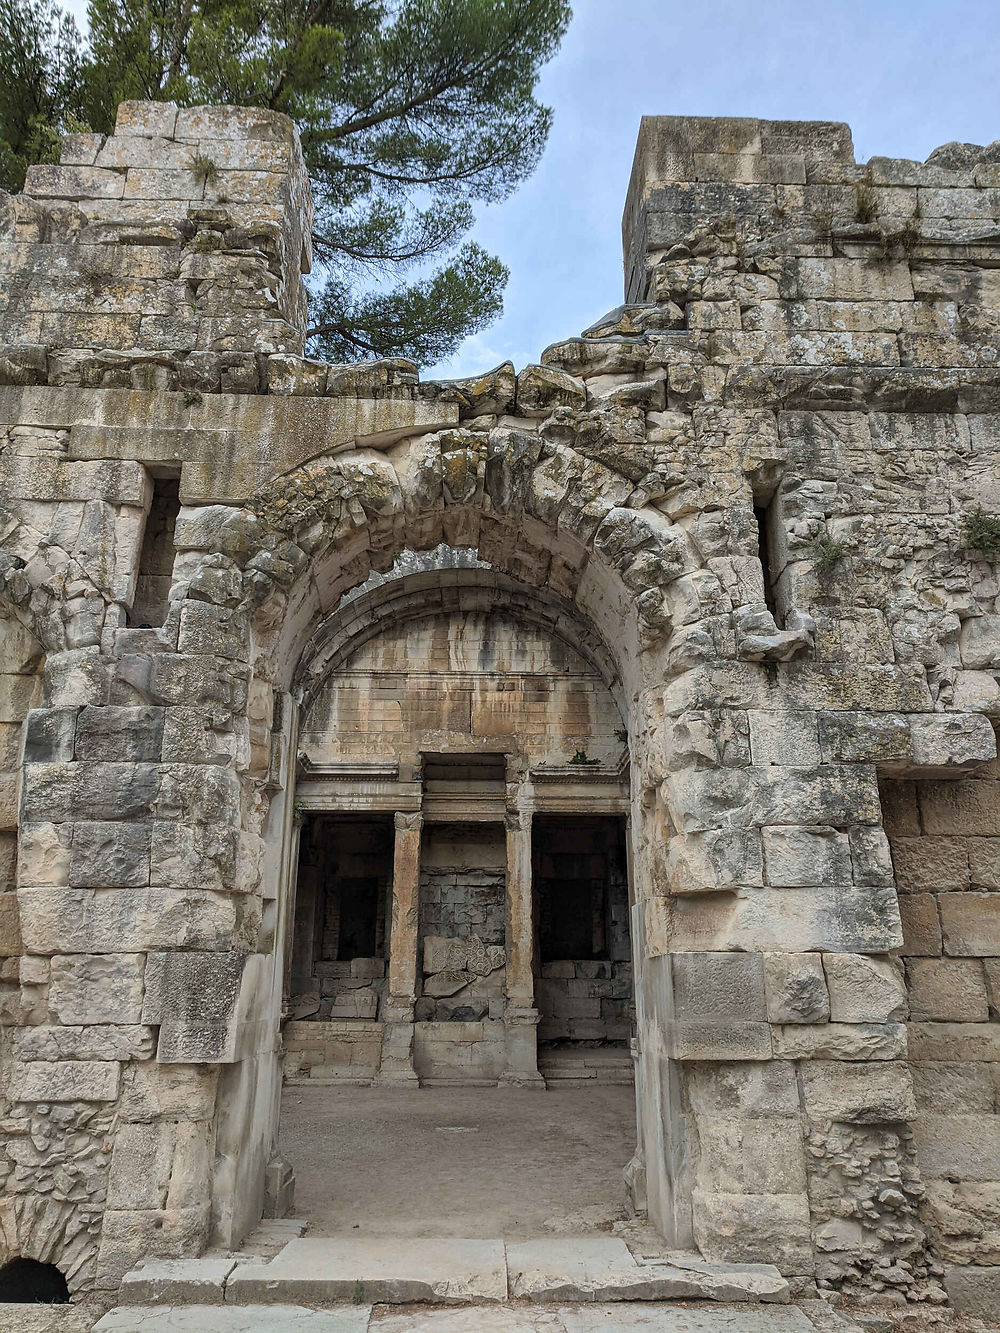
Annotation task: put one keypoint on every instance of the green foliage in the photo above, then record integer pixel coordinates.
(581, 761)
(981, 532)
(827, 554)
(410, 112)
(865, 202)
(41, 92)
(203, 169)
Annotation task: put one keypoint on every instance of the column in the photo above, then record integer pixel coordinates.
(397, 1007)
(520, 1014)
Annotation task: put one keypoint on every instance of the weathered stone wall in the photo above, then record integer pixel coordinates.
(810, 349)
(944, 838)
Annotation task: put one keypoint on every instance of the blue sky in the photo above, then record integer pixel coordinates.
(907, 75)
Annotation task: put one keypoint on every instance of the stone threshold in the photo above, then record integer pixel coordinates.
(624, 1317)
(318, 1270)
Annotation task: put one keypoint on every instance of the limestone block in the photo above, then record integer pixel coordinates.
(921, 926)
(955, 1041)
(974, 1289)
(969, 809)
(49, 735)
(8, 802)
(784, 737)
(196, 986)
(96, 988)
(62, 1081)
(51, 182)
(799, 856)
(958, 1147)
(744, 1091)
(841, 1041)
(59, 920)
(753, 1156)
(970, 924)
(946, 1087)
(213, 629)
(835, 794)
(858, 1093)
(930, 864)
(128, 1235)
(717, 987)
(171, 1092)
(796, 988)
(715, 859)
(864, 989)
(743, 1228)
(123, 734)
(856, 737)
(94, 1042)
(952, 742)
(947, 990)
(146, 119)
(10, 926)
(109, 854)
(161, 1165)
(984, 862)
(871, 858)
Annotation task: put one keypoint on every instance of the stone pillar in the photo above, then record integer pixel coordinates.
(397, 1007)
(520, 1014)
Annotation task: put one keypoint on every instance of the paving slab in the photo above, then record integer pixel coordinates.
(395, 1271)
(16, 1317)
(226, 1319)
(626, 1317)
(178, 1281)
(602, 1268)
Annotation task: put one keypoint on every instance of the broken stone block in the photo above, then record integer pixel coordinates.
(864, 989)
(796, 988)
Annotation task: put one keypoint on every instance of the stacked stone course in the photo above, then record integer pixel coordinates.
(809, 348)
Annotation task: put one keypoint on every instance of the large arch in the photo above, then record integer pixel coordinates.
(571, 542)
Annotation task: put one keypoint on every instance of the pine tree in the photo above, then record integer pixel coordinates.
(410, 112)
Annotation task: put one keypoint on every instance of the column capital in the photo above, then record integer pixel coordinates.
(408, 821)
(517, 820)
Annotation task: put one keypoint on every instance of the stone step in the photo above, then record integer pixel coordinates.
(388, 1270)
(319, 1270)
(623, 1317)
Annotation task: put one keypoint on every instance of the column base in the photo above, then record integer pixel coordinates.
(396, 1067)
(521, 1031)
(396, 1078)
(512, 1079)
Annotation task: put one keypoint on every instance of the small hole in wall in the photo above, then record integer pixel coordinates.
(156, 558)
(767, 521)
(28, 1282)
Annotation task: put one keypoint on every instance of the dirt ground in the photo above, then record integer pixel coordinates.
(475, 1162)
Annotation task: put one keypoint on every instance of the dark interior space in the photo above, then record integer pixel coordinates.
(341, 916)
(156, 558)
(580, 873)
(29, 1282)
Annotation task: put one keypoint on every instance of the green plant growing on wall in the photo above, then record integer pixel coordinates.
(865, 202)
(580, 759)
(827, 554)
(203, 169)
(981, 532)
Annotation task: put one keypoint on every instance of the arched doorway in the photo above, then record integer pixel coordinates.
(461, 912)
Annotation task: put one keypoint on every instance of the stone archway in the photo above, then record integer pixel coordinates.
(560, 545)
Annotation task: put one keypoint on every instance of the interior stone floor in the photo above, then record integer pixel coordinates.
(486, 1162)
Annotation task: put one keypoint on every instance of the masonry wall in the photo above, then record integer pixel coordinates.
(810, 343)
(945, 838)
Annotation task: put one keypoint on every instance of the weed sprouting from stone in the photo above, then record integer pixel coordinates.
(827, 554)
(981, 532)
(203, 169)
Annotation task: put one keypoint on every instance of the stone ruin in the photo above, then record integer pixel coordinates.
(647, 692)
